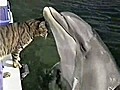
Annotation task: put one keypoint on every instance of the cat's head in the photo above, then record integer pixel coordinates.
(41, 30)
(38, 27)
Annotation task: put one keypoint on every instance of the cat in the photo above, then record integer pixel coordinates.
(15, 37)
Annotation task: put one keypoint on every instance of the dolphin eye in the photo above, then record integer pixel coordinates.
(82, 47)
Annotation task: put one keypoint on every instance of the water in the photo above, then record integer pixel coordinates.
(102, 15)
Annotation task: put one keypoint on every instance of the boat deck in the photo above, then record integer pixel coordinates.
(13, 82)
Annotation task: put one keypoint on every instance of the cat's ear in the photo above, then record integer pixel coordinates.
(118, 87)
(36, 24)
(42, 24)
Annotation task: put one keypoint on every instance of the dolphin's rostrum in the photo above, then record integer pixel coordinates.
(86, 63)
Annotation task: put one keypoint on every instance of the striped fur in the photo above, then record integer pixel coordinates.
(15, 37)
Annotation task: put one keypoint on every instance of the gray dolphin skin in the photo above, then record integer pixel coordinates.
(85, 61)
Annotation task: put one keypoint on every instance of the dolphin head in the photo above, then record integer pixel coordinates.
(82, 57)
(70, 24)
(67, 28)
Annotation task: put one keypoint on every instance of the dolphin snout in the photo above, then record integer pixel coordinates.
(51, 14)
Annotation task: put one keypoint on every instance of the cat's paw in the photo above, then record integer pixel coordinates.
(18, 58)
(16, 64)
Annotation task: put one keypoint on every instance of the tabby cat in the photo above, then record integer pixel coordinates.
(15, 37)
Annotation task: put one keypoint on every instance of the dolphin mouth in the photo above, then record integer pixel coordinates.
(58, 17)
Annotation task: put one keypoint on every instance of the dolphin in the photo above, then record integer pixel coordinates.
(85, 61)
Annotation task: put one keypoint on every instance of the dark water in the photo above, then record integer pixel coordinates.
(102, 15)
